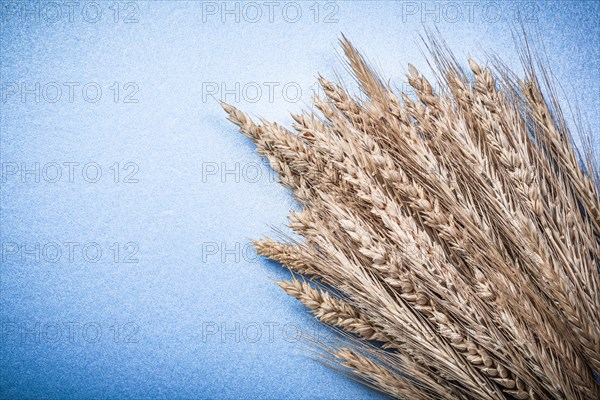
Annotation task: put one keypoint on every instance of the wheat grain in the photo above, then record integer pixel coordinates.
(456, 229)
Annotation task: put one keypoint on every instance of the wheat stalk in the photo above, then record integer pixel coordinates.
(454, 236)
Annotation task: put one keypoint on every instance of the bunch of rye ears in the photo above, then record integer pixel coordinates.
(452, 237)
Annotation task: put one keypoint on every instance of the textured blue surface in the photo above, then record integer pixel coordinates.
(197, 316)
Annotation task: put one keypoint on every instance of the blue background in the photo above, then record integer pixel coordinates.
(198, 315)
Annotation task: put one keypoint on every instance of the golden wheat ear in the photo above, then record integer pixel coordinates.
(450, 237)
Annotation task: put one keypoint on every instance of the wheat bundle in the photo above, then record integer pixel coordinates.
(453, 235)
